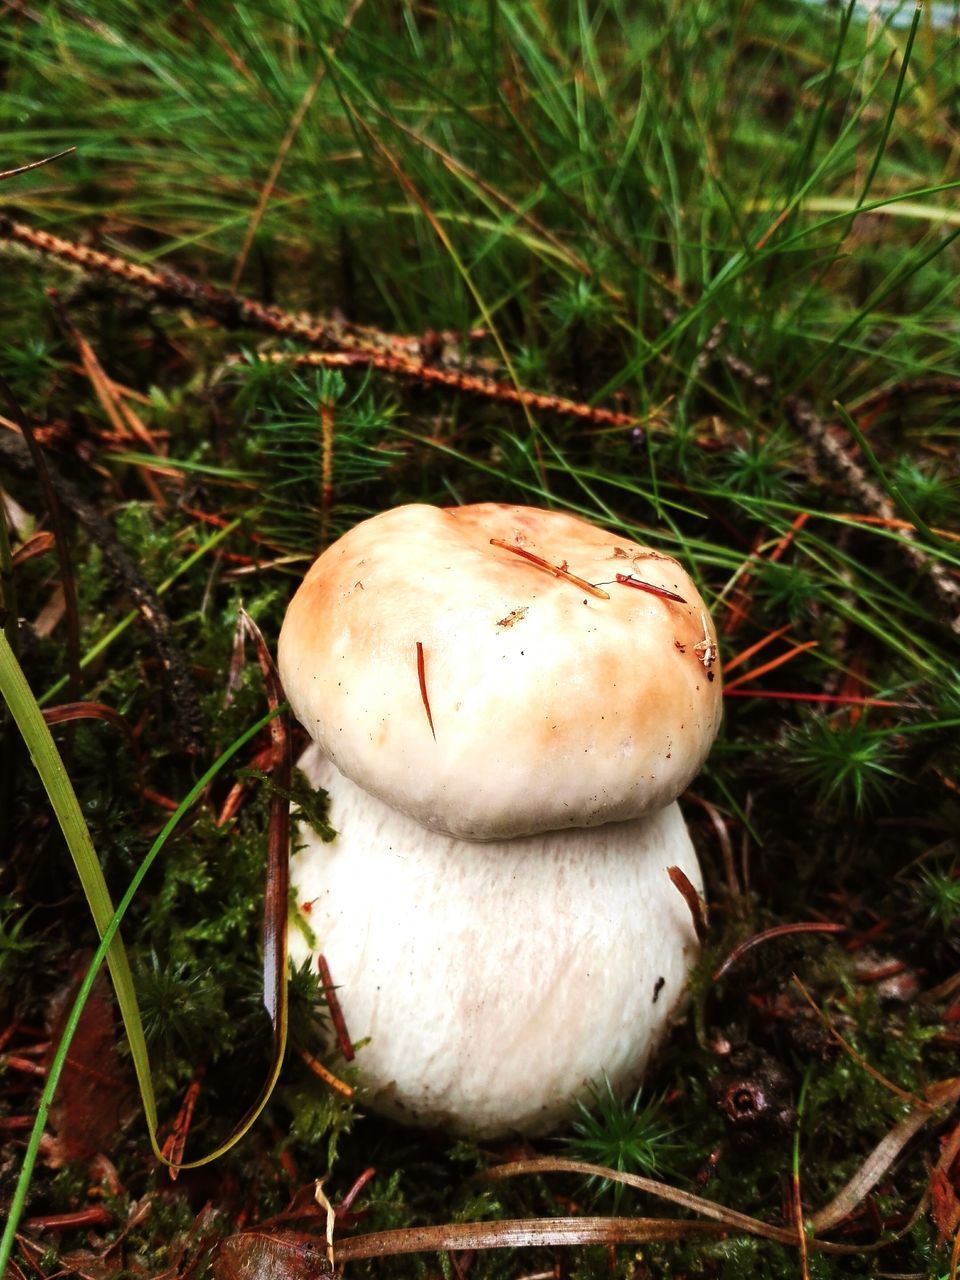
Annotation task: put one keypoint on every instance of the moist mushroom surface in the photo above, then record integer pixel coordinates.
(497, 670)
(493, 980)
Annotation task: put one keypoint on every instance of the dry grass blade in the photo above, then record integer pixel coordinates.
(882, 1157)
(68, 712)
(296, 120)
(726, 850)
(276, 891)
(778, 931)
(520, 1233)
(827, 699)
(729, 1219)
(772, 665)
(36, 164)
(36, 545)
(880, 522)
(122, 418)
(558, 571)
(740, 658)
(861, 1061)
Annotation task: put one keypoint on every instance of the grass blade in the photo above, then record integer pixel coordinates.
(29, 719)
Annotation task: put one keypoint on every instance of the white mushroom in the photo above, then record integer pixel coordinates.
(494, 980)
(521, 678)
(444, 669)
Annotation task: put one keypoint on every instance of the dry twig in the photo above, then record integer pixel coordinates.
(833, 453)
(181, 692)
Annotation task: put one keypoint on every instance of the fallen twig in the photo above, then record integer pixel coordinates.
(180, 687)
(834, 455)
(343, 344)
(471, 384)
(40, 466)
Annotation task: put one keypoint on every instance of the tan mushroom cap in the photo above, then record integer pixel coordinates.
(494, 670)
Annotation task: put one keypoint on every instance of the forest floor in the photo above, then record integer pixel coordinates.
(686, 269)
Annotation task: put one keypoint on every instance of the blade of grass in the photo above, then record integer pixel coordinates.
(8, 587)
(23, 706)
(906, 206)
(895, 279)
(414, 194)
(892, 111)
(115, 632)
(795, 1171)
(817, 123)
(293, 128)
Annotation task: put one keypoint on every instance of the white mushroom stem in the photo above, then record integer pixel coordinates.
(494, 980)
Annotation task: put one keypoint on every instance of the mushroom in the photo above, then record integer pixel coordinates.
(494, 979)
(505, 703)
(496, 670)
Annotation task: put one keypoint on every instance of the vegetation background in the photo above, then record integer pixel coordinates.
(732, 227)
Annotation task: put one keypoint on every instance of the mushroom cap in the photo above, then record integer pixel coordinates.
(494, 980)
(444, 669)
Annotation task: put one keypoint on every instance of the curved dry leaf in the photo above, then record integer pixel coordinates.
(881, 1158)
(729, 1219)
(520, 1233)
(271, 1255)
(293, 1255)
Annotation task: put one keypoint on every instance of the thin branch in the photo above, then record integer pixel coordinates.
(469, 384)
(181, 693)
(67, 580)
(834, 456)
(341, 344)
(36, 164)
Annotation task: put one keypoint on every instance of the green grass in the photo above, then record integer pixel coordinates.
(608, 190)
